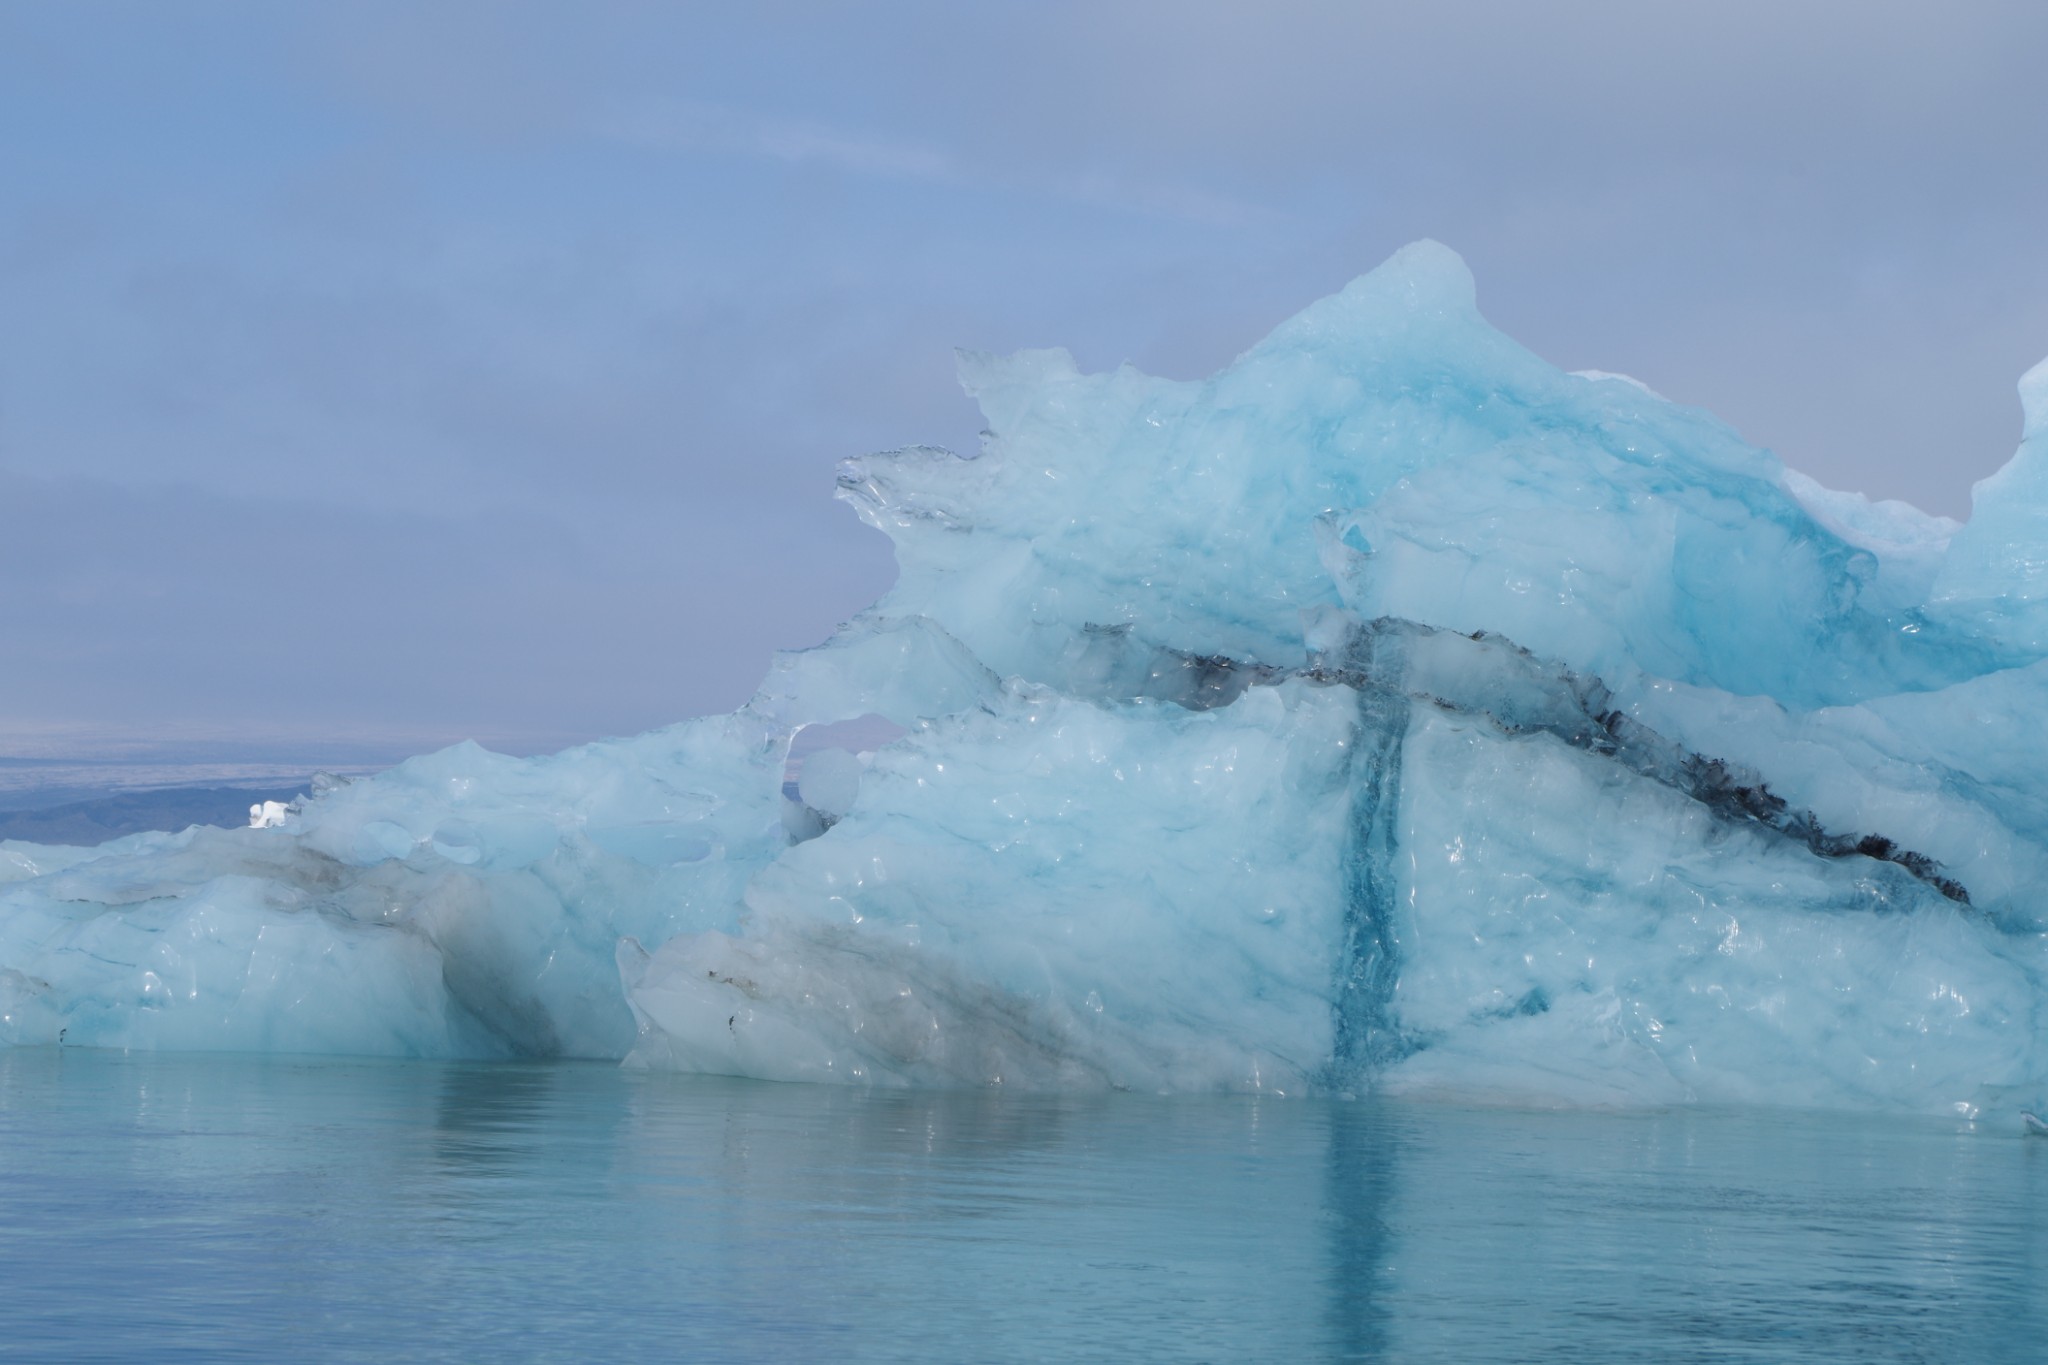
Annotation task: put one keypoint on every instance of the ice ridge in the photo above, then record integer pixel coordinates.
(1390, 711)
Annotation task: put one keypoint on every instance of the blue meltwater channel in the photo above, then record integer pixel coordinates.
(161, 1208)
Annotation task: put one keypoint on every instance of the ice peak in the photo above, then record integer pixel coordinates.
(1415, 300)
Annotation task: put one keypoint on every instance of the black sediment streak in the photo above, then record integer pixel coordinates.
(1490, 677)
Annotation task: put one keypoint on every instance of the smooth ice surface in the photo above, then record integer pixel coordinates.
(1389, 711)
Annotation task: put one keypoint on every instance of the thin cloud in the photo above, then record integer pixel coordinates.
(696, 126)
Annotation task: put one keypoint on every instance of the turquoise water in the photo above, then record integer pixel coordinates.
(213, 1208)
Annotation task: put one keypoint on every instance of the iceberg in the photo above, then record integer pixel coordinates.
(1389, 712)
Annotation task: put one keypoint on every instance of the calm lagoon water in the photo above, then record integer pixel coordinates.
(218, 1208)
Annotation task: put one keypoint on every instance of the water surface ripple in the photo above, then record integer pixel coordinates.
(223, 1208)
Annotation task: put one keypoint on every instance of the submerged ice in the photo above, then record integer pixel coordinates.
(1390, 711)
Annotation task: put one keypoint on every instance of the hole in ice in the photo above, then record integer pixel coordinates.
(458, 843)
(830, 781)
(862, 734)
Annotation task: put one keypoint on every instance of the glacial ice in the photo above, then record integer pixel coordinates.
(1389, 711)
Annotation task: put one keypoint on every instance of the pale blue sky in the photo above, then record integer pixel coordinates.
(402, 372)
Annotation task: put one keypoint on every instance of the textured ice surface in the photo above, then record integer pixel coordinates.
(1390, 710)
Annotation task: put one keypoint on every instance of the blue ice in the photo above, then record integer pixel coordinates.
(1389, 711)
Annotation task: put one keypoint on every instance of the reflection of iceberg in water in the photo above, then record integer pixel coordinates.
(538, 1207)
(1391, 710)
(1362, 1161)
